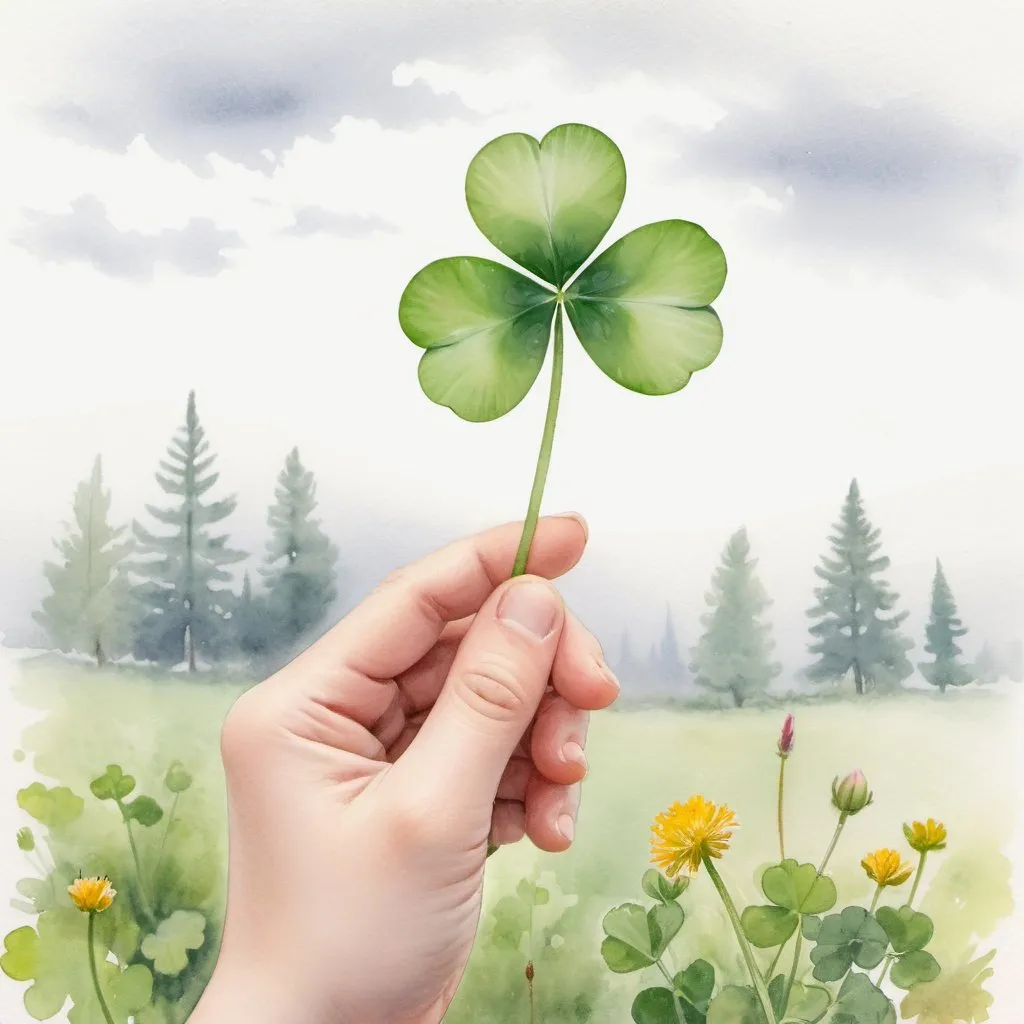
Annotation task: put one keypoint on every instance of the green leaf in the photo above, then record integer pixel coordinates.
(130, 990)
(655, 1006)
(636, 938)
(851, 937)
(21, 954)
(177, 780)
(807, 1003)
(663, 889)
(531, 893)
(113, 784)
(485, 328)
(810, 926)
(907, 928)
(641, 308)
(861, 1002)
(547, 204)
(696, 984)
(143, 809)
(55, 808)
(168, 947)
(767, 927)
(954, 997)
(735, 1005)
(799, 887)
(914, 967)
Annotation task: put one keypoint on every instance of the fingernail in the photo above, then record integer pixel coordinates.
(567, 827)
(531, 608)
(579, 519)
(607, 673)
(573, 753)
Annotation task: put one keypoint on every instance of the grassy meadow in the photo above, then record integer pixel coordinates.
(924, 756)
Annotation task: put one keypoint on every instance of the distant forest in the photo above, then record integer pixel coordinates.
(162, 591)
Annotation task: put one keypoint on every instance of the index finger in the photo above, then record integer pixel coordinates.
(403, 618)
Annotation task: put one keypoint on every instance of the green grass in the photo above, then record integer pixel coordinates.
(924, 756)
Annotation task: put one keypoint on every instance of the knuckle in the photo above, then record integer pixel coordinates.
(245, 729)
(494, 687)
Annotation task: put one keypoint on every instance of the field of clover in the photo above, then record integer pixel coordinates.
(821, 960)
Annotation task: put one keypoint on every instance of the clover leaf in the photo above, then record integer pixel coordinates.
(663, 889)
(641, 309)
(636, 938)
(914, 967)
(168, 946)
(113, 784)
(177, 780)
(735, 1005)
(907, 929)
(143, 809)
(695, 985)
(955, 997)
(808, 1004)
(799, 887)
(55, 808)
(851, 937)
(861, 1002)
(768, 927)
(657, 1006)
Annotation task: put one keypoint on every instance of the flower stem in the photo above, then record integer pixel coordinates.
(748, 954)
(544, 455)
(877, 896)
(782, 778)
(163, 840)
(832, 846)
(90, 938)
(917, 878)
(138, 864)
(885, 971)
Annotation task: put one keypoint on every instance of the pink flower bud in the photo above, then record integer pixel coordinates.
(786, 739)
(851, 795)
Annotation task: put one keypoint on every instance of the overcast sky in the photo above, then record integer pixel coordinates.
(232, 198)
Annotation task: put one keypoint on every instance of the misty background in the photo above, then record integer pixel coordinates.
(232, 201)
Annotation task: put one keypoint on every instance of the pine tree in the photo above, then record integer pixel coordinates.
(254, 633)
(943, 630)
(987, 670)
(89, 609)
(851, 634)
(187, 605)
(300, 560)
(733, 656)
(671, 664)
(628, 667)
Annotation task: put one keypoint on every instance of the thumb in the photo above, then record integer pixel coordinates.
(491, 694)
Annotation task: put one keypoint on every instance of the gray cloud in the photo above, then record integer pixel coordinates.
(86, 235)
(896, 181)
(317, 220)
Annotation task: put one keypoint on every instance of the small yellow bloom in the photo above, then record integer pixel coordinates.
(91, 895)
(686, 833)
(885, 867)
(924, 836)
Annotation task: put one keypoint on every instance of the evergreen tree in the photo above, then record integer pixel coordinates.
(987, 670)
(671, 664)
(943, 630)
(628, 667)
(733, 656)
(300, 560)
(89, 608)
(187, 605)
(254, 633)
(852, 635)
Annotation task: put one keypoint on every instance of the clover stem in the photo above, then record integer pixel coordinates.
(163, 840)
(917, 878)
(138, 863)
(748, 953)
(885, 971)
(90, 939)
(784, 1005)
(775, 961)
(680, 1015)
(544, 455)
(782, 782)
(832, 845)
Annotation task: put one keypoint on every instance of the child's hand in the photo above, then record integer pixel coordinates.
(365, 779)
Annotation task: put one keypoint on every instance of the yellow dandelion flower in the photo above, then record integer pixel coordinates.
(686, 833)
(91, 895)
(925, 836)
(886, 867)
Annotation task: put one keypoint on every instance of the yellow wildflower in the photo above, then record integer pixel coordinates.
(686, 833)
(924, 836)
(91, 895)
(885, 867)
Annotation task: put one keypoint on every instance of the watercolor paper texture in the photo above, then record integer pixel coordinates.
(806, 565)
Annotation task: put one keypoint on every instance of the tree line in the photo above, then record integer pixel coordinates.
(856, 630)
(164, 592)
